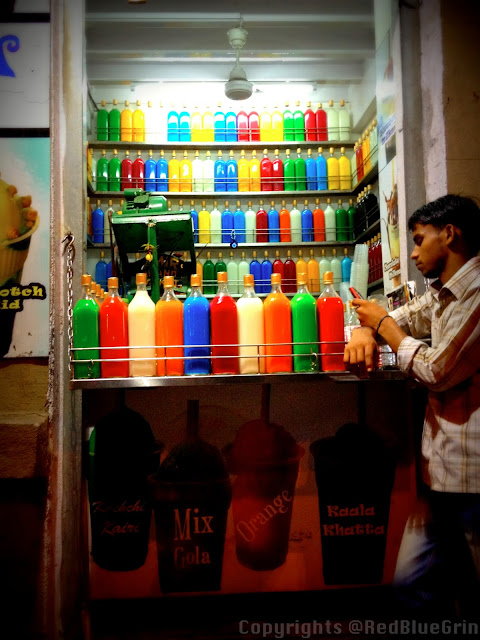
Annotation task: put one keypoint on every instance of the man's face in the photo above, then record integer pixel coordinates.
(430, 252)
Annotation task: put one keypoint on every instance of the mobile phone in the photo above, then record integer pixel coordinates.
(355, 293)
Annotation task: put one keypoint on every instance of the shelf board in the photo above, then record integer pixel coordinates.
(372, 229)
(250, 245)
(205, 146)
(227, 195)
(368, 178)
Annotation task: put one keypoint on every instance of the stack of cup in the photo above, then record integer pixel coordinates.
(359, 272)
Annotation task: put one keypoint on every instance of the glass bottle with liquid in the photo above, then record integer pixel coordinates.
(304, 328)
(278, 329)
(86, 333)
(224, 329)
(331, 320)
(196, 330)
(141, 331)
(169, 331)
(251, 331)
(114, 333)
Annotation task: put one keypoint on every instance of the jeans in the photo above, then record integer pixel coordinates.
(438, 565)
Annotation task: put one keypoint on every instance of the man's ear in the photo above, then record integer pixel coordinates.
(451, 233)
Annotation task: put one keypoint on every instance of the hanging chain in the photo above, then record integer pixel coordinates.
(69, 249)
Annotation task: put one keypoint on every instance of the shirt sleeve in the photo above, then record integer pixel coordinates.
(415, 317)
(454, 359)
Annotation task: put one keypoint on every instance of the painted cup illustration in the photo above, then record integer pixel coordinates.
(393, 233)
(18, 222)
(264, 460)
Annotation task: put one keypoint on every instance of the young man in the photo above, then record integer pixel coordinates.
(440, 552)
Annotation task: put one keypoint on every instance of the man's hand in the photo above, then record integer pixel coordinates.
(359, 351)
(369, 313)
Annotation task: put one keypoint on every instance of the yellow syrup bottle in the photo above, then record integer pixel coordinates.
(174, 173)
(333, 171)
(138, 119)
(367, 156)
(254, 170)
(196, 125)
(277, 125)
(300, 265)
(313, 273)
(344, 168)
(204, 224)
(243, 168)
(185, 173)
(265, 126)
(126, 123)
(199, 267)
(208, 126)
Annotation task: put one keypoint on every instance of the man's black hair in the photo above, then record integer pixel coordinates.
(463, 213)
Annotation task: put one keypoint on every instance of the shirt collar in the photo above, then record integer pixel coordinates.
(461, 281)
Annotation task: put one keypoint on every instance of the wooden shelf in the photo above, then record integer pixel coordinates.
(205, 146)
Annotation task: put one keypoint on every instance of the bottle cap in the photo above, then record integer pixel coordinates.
(276, 278)
(98, 290)
(320, 149)
(86, 279)
(248, 280)
(265, 151)
(328, 277)
(195, 280)
(265, 253)
(332, 149)
(113, 282)
(342, 103)
(342, 149)
(168, 281)
(330, 103)
(102, 254)
(302, 278)
(138, 103)
(222, 276)
(141, 278)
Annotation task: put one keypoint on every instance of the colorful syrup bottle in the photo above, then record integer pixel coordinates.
(336, 269)
(273, 223)
(215, 224)
(265, 126)
(251, 330)
(208, 275)
(304, 328)
(332, 122)
(311, 170)
(289, 172)
(288, 124)
(220, 265)
(346, 266)
(138, 122)
(278, 329)
(321, 123)
(194, 214)
(262, 223)
(318, 222)
(313, 273)
(141, 331)
(344, 168)
(208, 174)
(330, 223)
(359, 160)
(169, 331)
(101, 271)
(224, 329)
(307, 223)
(173, 126)
(373, 135)
(351, 219)
(242, 126)
(366, 153)
(197, 174)
(98, 223)
(208, 126)
(243, 269)
(126, 123)
(219, 124)
(174, 173)
(161, 173)
(150, 173)
(227, 223)
(254, 171)
(277, 125)
(196, 330)
(138, 172)
(277, 173)
(343, 122)
(220, 171)
(232, 274)
(204, 224)
(300, 172)
(256, 270)
(324, 264)
(102, 122)
(102, 172)
(298, 123)
(331, 321)
(196, 124)
(199, 269)
(266, 272)
(86, 333)
(266, 172)
(114, 333)
(278, 266)
(310, 124)
(300, 265)
(230, 126)
(232, 173)
(243, 169)
(290, 281)
(295, 223)
(321, 170)
(254, 125)
(353, 165)
(284, 223)
(185, 174)
(239, 226)
(341, 223)
(250, 224)
(114, 118)
(333, 171)
(151, 124)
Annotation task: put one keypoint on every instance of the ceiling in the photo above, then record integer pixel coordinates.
(311, 41)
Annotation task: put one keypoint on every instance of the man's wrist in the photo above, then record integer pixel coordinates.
(365, 328)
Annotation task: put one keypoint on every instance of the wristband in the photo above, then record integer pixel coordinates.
(387, 315)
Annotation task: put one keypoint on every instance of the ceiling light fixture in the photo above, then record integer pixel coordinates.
(238, 87)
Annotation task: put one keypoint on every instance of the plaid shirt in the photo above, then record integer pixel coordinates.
(450, 314)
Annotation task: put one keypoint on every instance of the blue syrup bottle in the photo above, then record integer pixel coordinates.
(196, 330)
(266, 272)
(232, 173)
(307, 224)
(311, 168)
(321, 170)
(239, 224)
(227, 223)
(273, 224)
(219, 173)
(161, 172)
